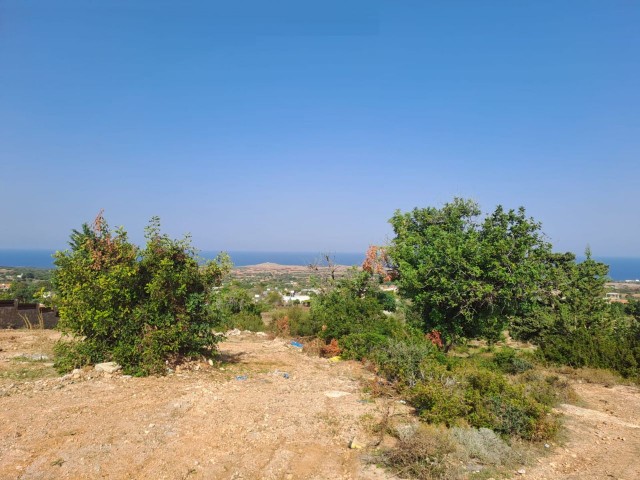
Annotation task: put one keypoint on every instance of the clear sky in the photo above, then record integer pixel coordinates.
(303, 125)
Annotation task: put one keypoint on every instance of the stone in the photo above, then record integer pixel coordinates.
(355, 445)
(36, 357)
(522, 471)
(107, 367)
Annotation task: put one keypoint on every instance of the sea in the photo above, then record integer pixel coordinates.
(43, 259)
(620, 268)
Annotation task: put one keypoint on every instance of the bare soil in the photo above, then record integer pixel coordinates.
(245, 421)
(602, 437)
(268, 412)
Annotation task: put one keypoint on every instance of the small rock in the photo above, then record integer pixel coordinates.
(36, 356)
(107, 367)
(522, 471)
(355, 445)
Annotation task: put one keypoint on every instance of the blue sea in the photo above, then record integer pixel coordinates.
(42, 258)
(620, 268)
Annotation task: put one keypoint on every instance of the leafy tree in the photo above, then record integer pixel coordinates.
(466, 276)
(137, 307)
(572, 296)
(354, 305)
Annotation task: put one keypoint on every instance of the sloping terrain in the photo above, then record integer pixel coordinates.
(271, 412)
(603, 437)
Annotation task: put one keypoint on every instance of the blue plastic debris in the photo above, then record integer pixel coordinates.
(285, 375)
(296, 344)
(241, 377)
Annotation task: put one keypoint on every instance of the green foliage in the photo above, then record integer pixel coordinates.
(136, 307)
(406, 361)
(573, 297)
(301, 324)
(360, 345)
(243, 321)
(352, 306)
(233, 306)
(387, 300)
(470, 394)
(585, 348)
(466, 276)
(509, 362)
(74, 354)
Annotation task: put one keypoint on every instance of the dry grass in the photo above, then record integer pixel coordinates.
(598, 376)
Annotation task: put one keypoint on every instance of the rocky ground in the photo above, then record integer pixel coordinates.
(268, 412)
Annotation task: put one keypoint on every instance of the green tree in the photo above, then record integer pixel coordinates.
(466, 276)
(572, 296)
(137, 307)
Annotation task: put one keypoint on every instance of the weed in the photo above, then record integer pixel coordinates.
(422, 452)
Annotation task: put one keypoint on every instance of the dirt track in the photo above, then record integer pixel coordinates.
(212, 423)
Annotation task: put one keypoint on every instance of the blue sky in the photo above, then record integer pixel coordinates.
(304, 125)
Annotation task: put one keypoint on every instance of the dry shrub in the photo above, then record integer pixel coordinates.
(313, 347)
(282, 326)
(331, 349)
(600, 376)
(485, 446)
(424, 452)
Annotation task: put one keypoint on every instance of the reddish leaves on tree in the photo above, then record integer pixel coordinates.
(376, 262)
(434, 337)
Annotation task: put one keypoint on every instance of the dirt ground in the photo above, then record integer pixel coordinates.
(602, 437)
(271, 412)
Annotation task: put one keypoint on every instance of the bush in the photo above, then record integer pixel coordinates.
(586, 348)
(405, 361)
(294, 320)
(243, 321)
(74, 354)
(485, 446)
(137, 307)
(508, 362)
(468, 393)
(358, 346)
(422, 452)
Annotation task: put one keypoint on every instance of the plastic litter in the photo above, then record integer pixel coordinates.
(242, 377)
(296, 344)
(337, 358)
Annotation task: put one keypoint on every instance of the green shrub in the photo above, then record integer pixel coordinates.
(509, 362)
(301, 324)
(71, 354)
(440, 401)
(406, 361)
(138, 307)
(360, 345)
(243, 321)
(471, 394)
(596, 349)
